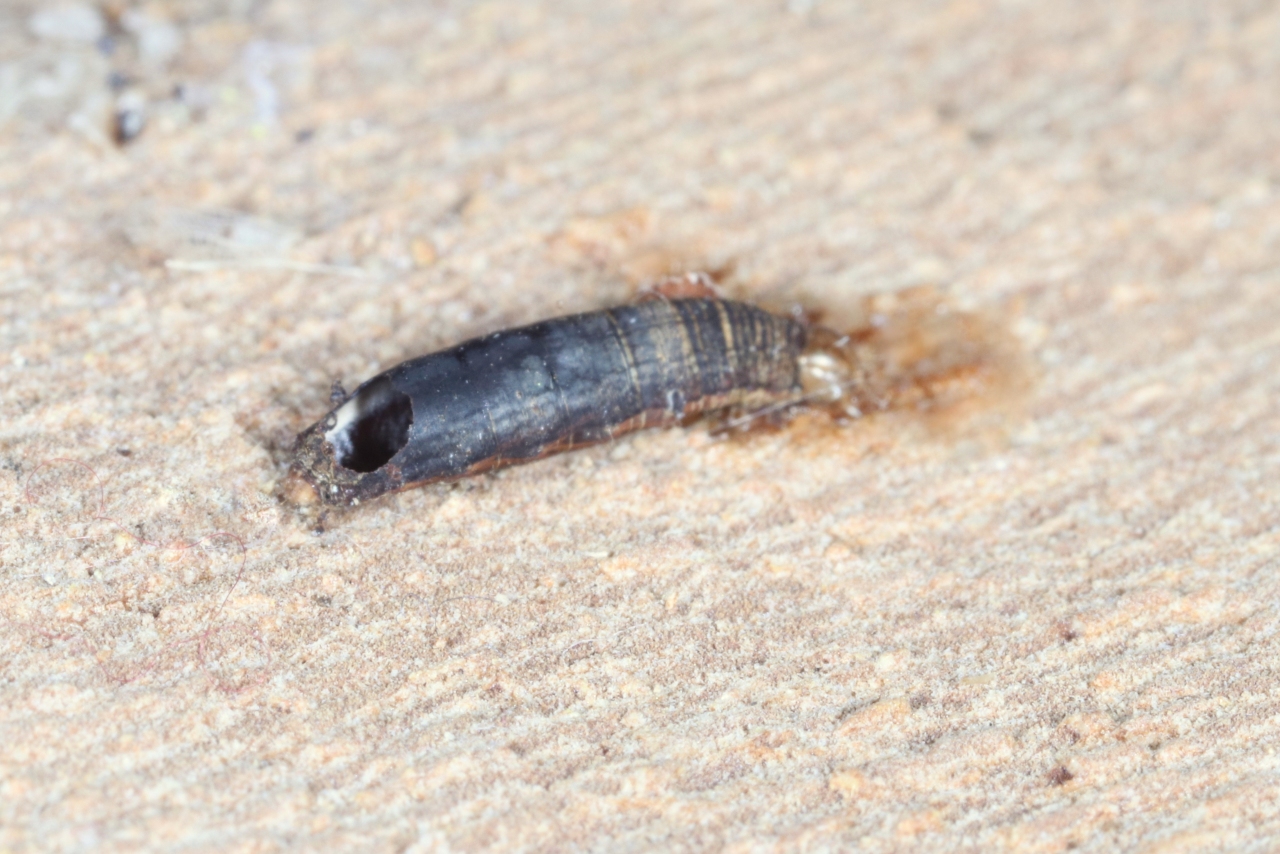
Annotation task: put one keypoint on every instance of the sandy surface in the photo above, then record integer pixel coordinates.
(1059, 633)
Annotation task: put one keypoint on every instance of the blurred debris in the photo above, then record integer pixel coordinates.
(158, 41)
(215, 239)
(130, 116)
(269, 66)
(93, 70)
(175, 232)
(70, 22)
(52, 85)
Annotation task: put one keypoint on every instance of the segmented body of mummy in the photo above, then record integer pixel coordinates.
(521, 394)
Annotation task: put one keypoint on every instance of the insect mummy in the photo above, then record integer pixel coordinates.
(522, 394)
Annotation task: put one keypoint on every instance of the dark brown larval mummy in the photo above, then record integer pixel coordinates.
(522, 394)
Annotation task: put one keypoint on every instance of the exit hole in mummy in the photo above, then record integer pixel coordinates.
(371, 427)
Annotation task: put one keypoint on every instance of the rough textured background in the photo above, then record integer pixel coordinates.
(1062, 637)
